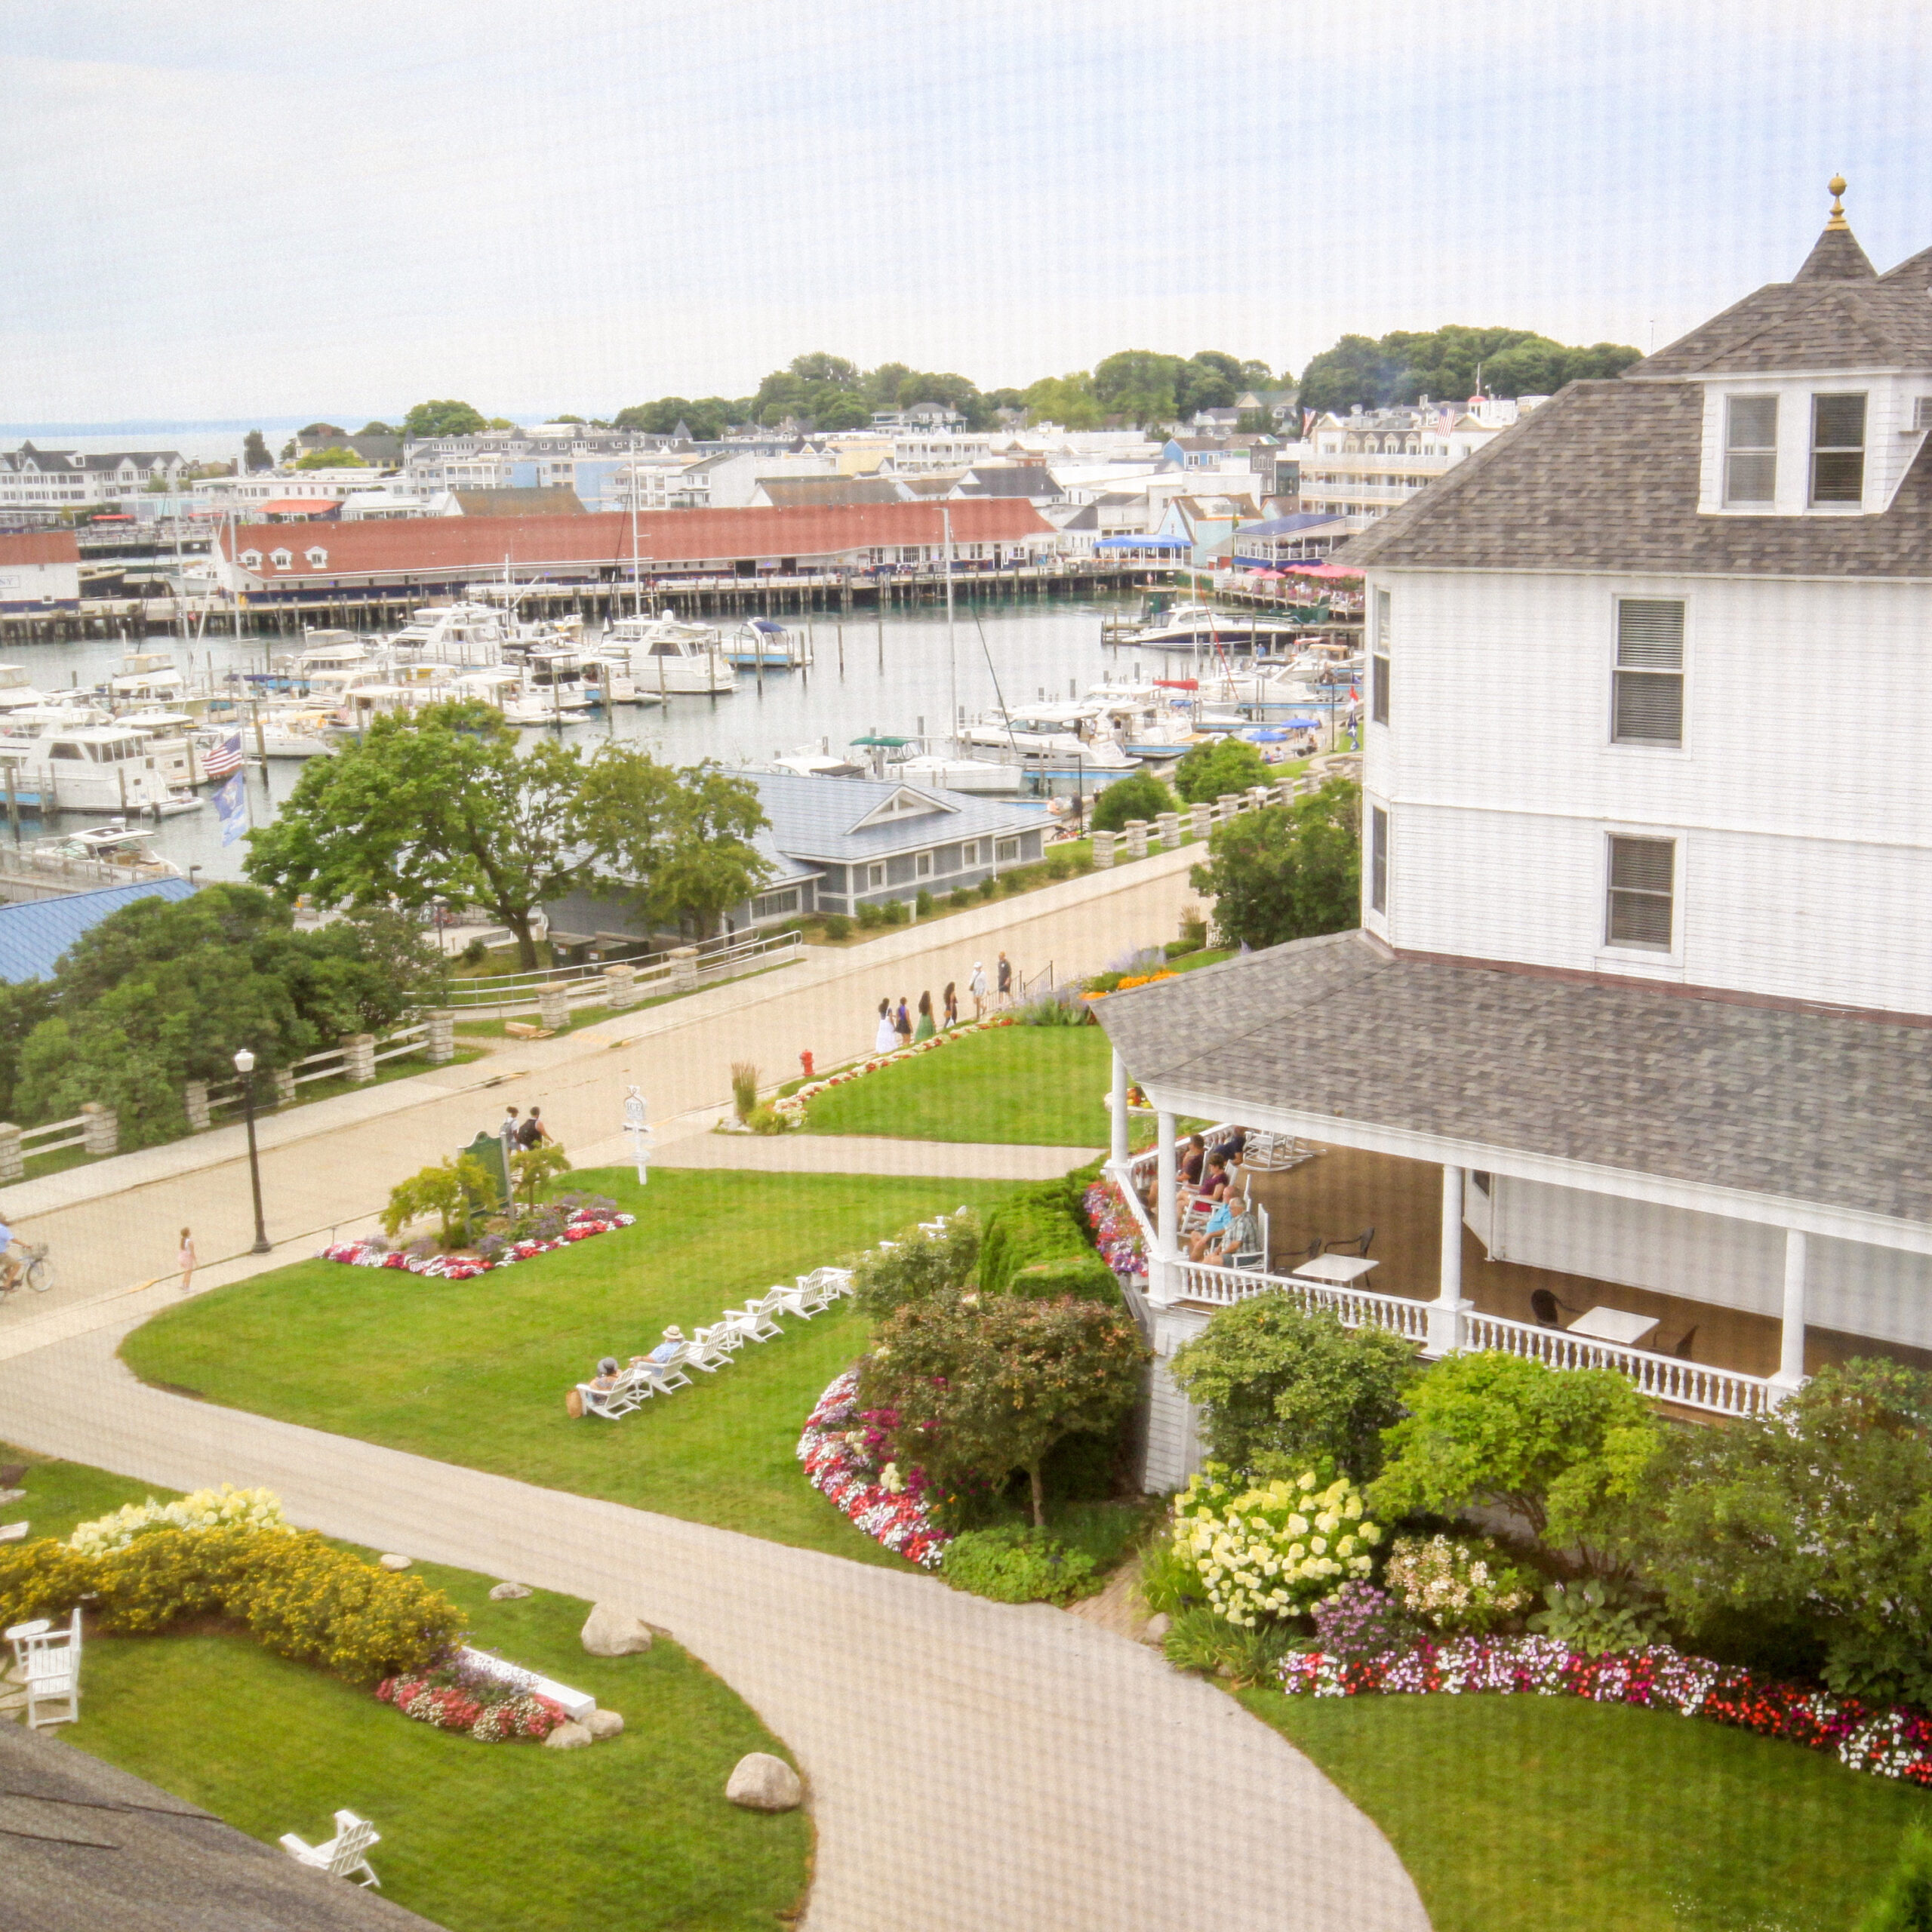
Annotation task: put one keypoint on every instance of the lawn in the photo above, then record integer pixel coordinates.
(1544, 1814)
(476, 1372)
(634, 1832)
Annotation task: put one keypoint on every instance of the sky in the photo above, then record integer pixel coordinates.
(217, 211)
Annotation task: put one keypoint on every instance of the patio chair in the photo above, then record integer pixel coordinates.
(793, 1300)
(753, 1321)
(708, 1349)
(630, 1393)
(1542, 1305)
(1360, 1243)
(48, 1660)
(823, 1286)
(1255, 1259)
(345, 1855)
(1681, 1350)
(663, 1376)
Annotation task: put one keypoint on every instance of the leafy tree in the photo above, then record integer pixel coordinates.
(677, 843)
(917, 1266)
(1286, 1391)
(838, 409)
(880, 387)
(985, 1386)
(441, 805)
(336, 456)
(1906, 1904)
(1820, 1516)
(1571, 1451)
(310, 429)
(376, 427)
(1138, 382)
(1355, 370)
(1208, 379)
(818, 366)
(534, 1168)
(1068, 401)
(1287, 872)
(1140, 795)
(705, 419)
(443, 418)
(1445, 363)
(1217, 766)
(459, 1191)
(255, 452)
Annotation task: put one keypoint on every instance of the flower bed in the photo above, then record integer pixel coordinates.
(836, 1449)
(1116, 1232)
(226, 1508)
(373, 1253)
(1891, 1742)
(793, 1107)
(459, 1700)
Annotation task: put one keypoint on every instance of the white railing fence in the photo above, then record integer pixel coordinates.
(1664, 1378)
(34, 1140)
(717, 959)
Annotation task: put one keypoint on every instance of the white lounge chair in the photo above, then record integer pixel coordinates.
(49, 1660)
(792, 1301)
(629, 1392)
(345, 1855)
(663, 1376)
(753, 1321)
(823, 1286)
(706, 1350)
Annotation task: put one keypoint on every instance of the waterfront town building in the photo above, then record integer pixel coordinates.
(1368, 462)
(40, 573)
(1628, 1063)
(50, 481)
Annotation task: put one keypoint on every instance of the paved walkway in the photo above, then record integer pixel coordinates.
(972, 1766)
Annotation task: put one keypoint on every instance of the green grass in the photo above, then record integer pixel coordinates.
(476, 1372)
(634, 1832)
(1033, 1086)
(1546, 1814)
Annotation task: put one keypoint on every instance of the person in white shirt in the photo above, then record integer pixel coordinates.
(976, 986)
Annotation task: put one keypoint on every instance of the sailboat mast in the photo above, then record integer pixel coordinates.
(951, 652)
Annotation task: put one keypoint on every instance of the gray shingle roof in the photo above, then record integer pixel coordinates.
(1821, 1108)
(818, 818)
(92, 1849)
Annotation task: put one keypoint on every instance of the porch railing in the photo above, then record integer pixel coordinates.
(1687, 1385)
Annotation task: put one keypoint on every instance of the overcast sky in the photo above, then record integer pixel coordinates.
(216, 210)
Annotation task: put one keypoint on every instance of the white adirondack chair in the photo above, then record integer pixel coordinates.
(663, 1376)
(752, 1321)
(49, 1660)
(630, 1392)
(792, 1301)
(825, 1285)
(345, 1855)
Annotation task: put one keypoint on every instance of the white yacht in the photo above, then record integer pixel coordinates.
(670, 658)
(764, 640)
(1057, 737)
(467, 634)
(84, 768)
(914, 760)
(17, 688)
(113, 855)
(1200, 626)
(146, 678)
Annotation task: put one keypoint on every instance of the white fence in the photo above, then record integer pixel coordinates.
(1689, 1385)
(34, 1140)
(587, 985)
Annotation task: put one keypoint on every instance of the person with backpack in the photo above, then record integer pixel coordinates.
(532, 1132)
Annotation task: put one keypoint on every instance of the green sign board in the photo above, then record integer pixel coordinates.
(487, 1151)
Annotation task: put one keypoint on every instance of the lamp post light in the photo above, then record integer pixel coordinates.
(441, 906)
(245, 1064)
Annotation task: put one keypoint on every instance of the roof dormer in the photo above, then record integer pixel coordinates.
(904, 802)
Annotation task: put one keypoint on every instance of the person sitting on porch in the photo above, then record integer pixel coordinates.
(1218, 1217)
(1193, 1160)
(1215, 1185)
(1242, 1232)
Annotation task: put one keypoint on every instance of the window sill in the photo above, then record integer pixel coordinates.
(1641, 961)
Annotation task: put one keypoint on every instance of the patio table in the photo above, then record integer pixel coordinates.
(1614, 1324)
(1342, 1269)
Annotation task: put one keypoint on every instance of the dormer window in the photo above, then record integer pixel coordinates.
(1838, 450)
(251, 558)
(318, 556)
(1750, 450)
(280, 559)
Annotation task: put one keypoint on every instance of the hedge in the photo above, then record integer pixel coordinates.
(1041, 1234)
(1085, 1276)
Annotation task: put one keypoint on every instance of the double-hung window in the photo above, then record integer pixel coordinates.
(1649, 707)
(1837, 449)
(1379, 696)
(1750, 450)
(1378, 859)
(1642, 896)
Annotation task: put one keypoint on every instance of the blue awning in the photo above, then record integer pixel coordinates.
(1144, 543)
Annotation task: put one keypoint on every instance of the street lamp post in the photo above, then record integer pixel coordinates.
(442, 906)
(245, 1064)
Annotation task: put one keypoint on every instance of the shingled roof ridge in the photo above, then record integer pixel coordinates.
(1915, 271)
(1836, 257)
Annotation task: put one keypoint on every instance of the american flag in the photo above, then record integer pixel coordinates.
(225, 757)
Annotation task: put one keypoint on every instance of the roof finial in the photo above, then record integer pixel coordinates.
(1836, 185)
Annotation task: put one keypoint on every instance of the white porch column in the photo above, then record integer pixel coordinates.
(1161, 1282)
(1120, 1140)
(1790, 1377)
(1446, 1312)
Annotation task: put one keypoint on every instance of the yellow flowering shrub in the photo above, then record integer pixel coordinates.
(1271, 1550)
(223, 1509)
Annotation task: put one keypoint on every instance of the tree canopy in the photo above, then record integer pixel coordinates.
(446, 805)
(1287, 872)
(255, 452)
(443, 418)
(336, 456)
(1140, 795)
(1217, 766)
(1406, 364)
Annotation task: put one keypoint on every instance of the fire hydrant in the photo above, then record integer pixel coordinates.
(805, 1063)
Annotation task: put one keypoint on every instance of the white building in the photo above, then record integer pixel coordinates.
(1643, 969)
(1363, 465)
(55, 480)
(40, 571)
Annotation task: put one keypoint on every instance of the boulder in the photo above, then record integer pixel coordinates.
(567, 1737)
(392, 1561)
(605, 1724)
(508, 1592)
(1155, 1631)
(609, 1632)
(762, 1782)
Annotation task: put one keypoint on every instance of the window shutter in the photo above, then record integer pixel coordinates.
(1650, 671)
(1378, 696)
(1378, 859)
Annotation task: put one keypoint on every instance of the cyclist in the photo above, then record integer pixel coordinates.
(11, 1266)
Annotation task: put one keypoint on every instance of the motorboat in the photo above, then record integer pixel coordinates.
(83, 767)
(764, 642)
(467, 634)
(172, 739)
(17, 689)
(146, 678)
(115, 853)
(1058, 737)
(914, 761)
(176, 804)
(819, 760)
(671, 658)
(1201, 627)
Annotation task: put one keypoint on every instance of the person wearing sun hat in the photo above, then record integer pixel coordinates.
(976, 986)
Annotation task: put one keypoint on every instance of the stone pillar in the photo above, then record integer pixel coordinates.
(1119, 1123)
(1446, 1310)
(1286, 791)
(358, 1057)
(620, 988)
(1790, 1377)
(13, 1163)
(1203, 816)
(285, 1084)
(195, 1100)
(1161, 1282)
(100, 1129)
(684, 968)
(440, 1043)
(1169, 826)
(1136, 839)
(1104, 851)
(553, 1007)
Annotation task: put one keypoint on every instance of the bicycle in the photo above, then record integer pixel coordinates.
(35, 1270)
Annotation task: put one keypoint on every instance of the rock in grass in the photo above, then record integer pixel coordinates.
(604, 1723)
(1155, 1631)
(609, 1632)
(508, 1592)
(567, 1737)
(762, 1782)
(392, 1561)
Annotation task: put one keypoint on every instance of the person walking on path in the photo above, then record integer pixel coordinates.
(887, 1035)
(976, 986)
(902, 1022)
(507, 1133)
(1005, 980)
(532, 1132)
(187, 1260)
(951, 999)
(925, 1029)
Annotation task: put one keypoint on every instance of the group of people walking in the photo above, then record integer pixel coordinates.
(899, 1026)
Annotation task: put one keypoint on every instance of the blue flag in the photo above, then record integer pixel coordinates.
(231, 806)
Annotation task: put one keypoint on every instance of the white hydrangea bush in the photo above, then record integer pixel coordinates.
(226, 1508)
(1272, 1550)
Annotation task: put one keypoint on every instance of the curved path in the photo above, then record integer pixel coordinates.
(972, 1765)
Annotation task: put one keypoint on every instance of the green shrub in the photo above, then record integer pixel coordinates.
(1169, 1584)
(1906, 1904)
(987, 886)
(1013, 1565)
(1036, 1224)
(1142, 796)
(870, 917)
(960, 897)
(924, 903)
(896, 912)
(1010, 883)
(1198, 1639)
(1598, 1614)
(765, 1118)
(43, 1578)
(1086, 1277)
(917, 1266)
(837, 926)
(744, 1088)
(1215, 767)
(1059, 865)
